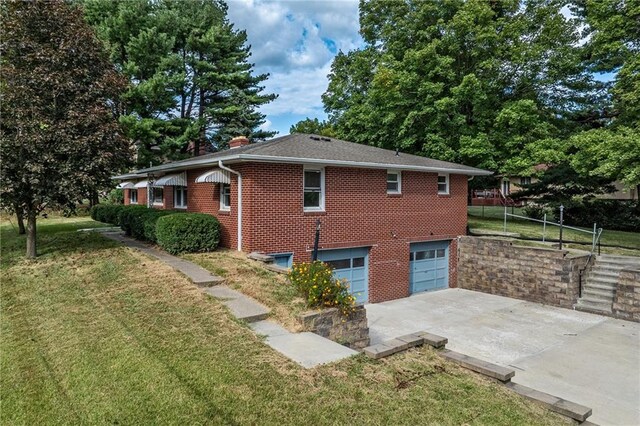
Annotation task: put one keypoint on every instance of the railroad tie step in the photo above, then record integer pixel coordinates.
(479, 366)
(558, 405)
(402, 343)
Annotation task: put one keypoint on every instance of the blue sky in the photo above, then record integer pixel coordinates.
(295, 42)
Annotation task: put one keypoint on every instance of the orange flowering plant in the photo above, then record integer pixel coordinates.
(316, 283)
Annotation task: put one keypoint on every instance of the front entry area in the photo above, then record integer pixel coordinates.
(352, 265)
(429, 266)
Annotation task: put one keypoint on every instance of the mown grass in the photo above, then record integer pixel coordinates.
(253, 279)
(95, 333)
(493, 221)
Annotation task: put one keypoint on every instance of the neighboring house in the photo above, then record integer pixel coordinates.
(389, 220)
(512, 184)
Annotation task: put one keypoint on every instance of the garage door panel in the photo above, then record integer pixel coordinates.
(350, 265)
(429, 266)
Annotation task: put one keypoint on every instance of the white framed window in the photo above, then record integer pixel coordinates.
(525, 180)
(394, 182)
(225, 196)
(157, 195)
(180, 197)
(443, 184)
(313, 183)
(133, 196)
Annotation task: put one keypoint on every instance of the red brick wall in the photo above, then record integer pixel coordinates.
(142, 196)
(205, 198)
(358, 212)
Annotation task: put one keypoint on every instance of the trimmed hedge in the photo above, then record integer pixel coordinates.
(188, 232)
(620, 215)
(128, 215)
(107, 213)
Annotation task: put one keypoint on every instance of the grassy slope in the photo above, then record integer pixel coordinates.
(94, 333)
(493, 221)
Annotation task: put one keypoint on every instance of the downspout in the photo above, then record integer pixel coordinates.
(223, 167)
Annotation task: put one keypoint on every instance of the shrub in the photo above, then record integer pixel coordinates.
(621, 215)
(188, 232)
(316, 283)
(107, 213)
(537, 211)
(127, 215)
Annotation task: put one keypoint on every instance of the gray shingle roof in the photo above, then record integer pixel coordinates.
(313, 149)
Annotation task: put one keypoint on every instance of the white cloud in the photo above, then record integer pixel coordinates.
(295, 41)
(266, 125)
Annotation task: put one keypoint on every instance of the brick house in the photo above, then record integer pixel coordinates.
(388, 220)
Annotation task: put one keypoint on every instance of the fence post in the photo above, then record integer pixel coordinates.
(544, 227)
(561, 221)
(593, 244)
(505, 217)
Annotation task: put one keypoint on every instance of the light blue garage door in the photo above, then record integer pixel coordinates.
(429, 266)
(352, 265)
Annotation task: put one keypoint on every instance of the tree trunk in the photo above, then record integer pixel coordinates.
(20, 216)
(31, 234)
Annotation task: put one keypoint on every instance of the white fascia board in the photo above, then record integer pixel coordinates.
(294, 160)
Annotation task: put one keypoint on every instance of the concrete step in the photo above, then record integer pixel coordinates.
(604, 272)
(595, 307)
(618, 262)
(599, 286)
(589, 292)
(597, 278)
(620, 258)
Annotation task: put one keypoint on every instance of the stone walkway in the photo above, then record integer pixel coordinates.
(307, 349)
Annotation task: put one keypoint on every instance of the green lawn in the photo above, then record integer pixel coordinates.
(94, 333)
(493, 221)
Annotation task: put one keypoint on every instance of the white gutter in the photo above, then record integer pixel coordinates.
(223, 167)
(317, 161)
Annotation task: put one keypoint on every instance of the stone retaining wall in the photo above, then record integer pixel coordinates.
(351, 331)
(535, 274)
(626, 303)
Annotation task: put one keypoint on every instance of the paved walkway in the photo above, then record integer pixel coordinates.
(589, 359)
(307, 349)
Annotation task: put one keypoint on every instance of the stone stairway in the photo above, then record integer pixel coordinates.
(600, 281)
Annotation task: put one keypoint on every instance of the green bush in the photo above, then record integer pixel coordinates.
(145, 224)
(107, 213)
(188, 232)
(620, 215)
(316, 283)
(537, 211)
(127, 216)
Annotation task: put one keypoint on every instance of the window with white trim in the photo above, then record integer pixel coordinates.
(443, 184)
(180, 197)
(525, 180)
(313, 190)
(394, 182)
(133, 196)
(157, 195)
(225, 196)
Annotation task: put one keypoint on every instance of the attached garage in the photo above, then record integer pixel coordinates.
(352, 265)
(429, 266)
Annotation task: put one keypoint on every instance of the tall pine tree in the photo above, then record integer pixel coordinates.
(193, 87)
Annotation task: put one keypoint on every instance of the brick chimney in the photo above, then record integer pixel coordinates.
(238, 141)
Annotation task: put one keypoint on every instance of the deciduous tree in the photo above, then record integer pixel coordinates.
(59, 137)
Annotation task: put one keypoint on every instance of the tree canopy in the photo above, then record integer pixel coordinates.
(314, 126)
(498, 85)
(59, 136)
(192, 86)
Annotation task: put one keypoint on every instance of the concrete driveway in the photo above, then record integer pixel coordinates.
(589, 359)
